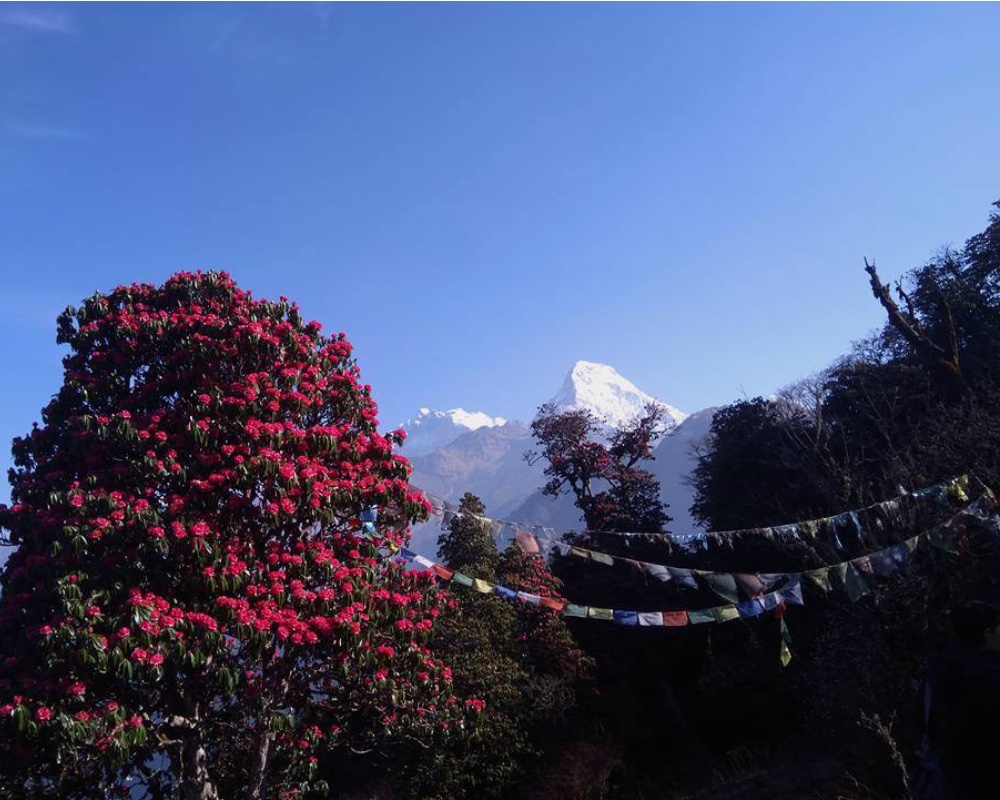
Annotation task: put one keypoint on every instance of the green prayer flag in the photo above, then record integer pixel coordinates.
(940, 539)
(461, 579)
(572, 610)
(698, 617)
(725, 613)
(821, 577)
(854, 583)
(602, 558)
(723, 584)
(786, 640)
(960, 488)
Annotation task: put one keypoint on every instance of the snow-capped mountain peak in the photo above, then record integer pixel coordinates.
(432, 429)
(610, 397)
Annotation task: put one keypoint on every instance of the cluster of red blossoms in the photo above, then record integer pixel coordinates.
(188, 535)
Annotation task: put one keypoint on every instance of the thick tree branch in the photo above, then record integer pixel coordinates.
(909, 327)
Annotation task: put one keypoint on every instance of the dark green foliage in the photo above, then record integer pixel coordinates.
(520, 659)
(763, 461)
(912, 405)
(479, 633)
(468, 545)
(915, 404)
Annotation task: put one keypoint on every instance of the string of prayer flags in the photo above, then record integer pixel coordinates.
(850, 525)
(789, 593)
(746, 594)
(749, 595)
(735, 587)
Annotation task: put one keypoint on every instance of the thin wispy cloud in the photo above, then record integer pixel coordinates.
(37, 18)
(238, 40)
(224, 35)
(43, 132)
(323, 11)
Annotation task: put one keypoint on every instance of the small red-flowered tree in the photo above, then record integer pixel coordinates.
(194, 608)
(611, 490)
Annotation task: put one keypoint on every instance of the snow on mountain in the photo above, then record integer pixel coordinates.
(673, 461)
(456, 451)
(611, 398)
(431, 429)
(489, 462)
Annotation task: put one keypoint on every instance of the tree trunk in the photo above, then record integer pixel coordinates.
(195, 781)
(259, 772)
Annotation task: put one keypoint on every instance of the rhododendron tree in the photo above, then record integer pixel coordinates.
(197, 605)
(601, 469)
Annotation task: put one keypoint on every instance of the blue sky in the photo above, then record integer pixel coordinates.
(480, 195)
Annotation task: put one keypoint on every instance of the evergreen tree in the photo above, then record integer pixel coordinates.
(519, 659)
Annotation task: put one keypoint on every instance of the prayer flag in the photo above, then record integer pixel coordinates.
(854, 583)
(750, 608)
(551, 602)
(864, 564)
(600, 613)
(723, 584)
(675, 619)
(573, 610)
(771, 601)
(649, 619)
(786, 641)
(657, 571)
(526, 542)
(752, 585)
(821, 577)
(683, 576)
(791, 592)
(626, 618)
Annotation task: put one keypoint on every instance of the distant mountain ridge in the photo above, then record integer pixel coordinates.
(430, 429)
(456, 451)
